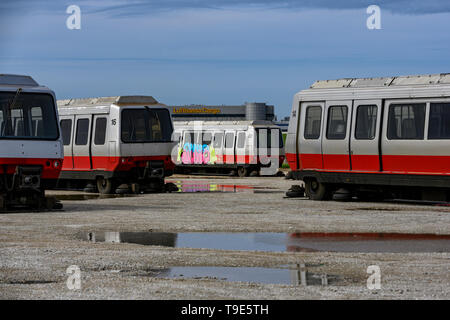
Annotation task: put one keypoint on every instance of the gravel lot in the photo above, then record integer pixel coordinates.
(37, 248)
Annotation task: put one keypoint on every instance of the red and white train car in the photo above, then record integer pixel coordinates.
(240, 147)
(373, 136)
(31, 152)
(110, 141)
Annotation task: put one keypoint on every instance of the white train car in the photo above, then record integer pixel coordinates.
(31, 152)
(109, 141)
(240, 147)
(373, 136)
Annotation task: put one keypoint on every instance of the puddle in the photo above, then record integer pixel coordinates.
(296, 275)
(204, 186)
(278, 242)
(81, 197)
(144, 238)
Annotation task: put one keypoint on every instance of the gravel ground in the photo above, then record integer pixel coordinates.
(37, 248)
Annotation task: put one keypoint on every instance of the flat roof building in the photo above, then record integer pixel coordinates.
(249, 111)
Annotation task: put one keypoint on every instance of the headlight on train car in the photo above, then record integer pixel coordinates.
(56, 164)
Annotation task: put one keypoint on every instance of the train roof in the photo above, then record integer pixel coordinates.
(106, 101)
(415, 86)
(17, 80)
(225, 123)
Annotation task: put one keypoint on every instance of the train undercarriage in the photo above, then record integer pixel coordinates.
(24, 189)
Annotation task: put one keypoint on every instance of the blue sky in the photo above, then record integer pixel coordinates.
(216, 51)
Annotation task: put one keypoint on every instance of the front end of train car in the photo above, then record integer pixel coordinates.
(31, 152)
(145, 146)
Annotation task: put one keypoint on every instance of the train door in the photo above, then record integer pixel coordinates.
(205, 145)
(217, 150)
(80, 148)
(187, 148)
(229, 152)
(335, 141)
(241, 148)
(364, 142)
(309, 135)
(67, 133)
(99, 148)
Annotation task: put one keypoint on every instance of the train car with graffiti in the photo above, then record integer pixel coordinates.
(112, 141)
(31, 152)
(371, 137)
(234, 147)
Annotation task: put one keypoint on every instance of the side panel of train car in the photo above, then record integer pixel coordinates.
(373, 136)
(224, 146)
(31, 153)
(127, 141)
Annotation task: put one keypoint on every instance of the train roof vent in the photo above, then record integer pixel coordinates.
(371, 82)
(17, 80)
(414, 80)
(118, 100)
(326, 84)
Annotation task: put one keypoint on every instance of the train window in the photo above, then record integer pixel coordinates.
(337, 123)
(81, 138)
(207, 138)
(406, 121)
(241, 140)
(439, 125)
(366, 121)
(146, 125)
(188, 137)
(218, 137)
(36, 122)
(32, 116)
(160, 125)
(229, 140)
(66, 130)
(100, 131)
(176, 136)
(312, 122)
(267, 136)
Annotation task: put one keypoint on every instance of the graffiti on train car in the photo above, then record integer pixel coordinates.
(194, 153)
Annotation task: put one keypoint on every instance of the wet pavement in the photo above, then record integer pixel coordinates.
(279, 242)
(189, 186)
(297, 275)
(225, 238)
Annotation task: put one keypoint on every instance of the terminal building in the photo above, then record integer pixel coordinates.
(249, 111)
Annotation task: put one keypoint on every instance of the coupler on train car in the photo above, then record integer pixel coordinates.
(23, 189)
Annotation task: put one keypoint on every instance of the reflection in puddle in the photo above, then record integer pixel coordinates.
(164, 239)
(272, 242)
(80, 197)
(297, 275)
(204, 186)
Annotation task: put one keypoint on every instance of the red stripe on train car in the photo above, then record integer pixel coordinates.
(107, 163)
(49, 171)
(340, 162)
(416, 164)
(392, 164)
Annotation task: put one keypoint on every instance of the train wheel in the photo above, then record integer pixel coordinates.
(106, 186)
(242, 172)
(316, 190)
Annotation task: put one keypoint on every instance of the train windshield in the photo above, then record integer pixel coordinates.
(146, 125)
(27, 116)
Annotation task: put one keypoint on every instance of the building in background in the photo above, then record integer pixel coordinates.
(249, 111)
